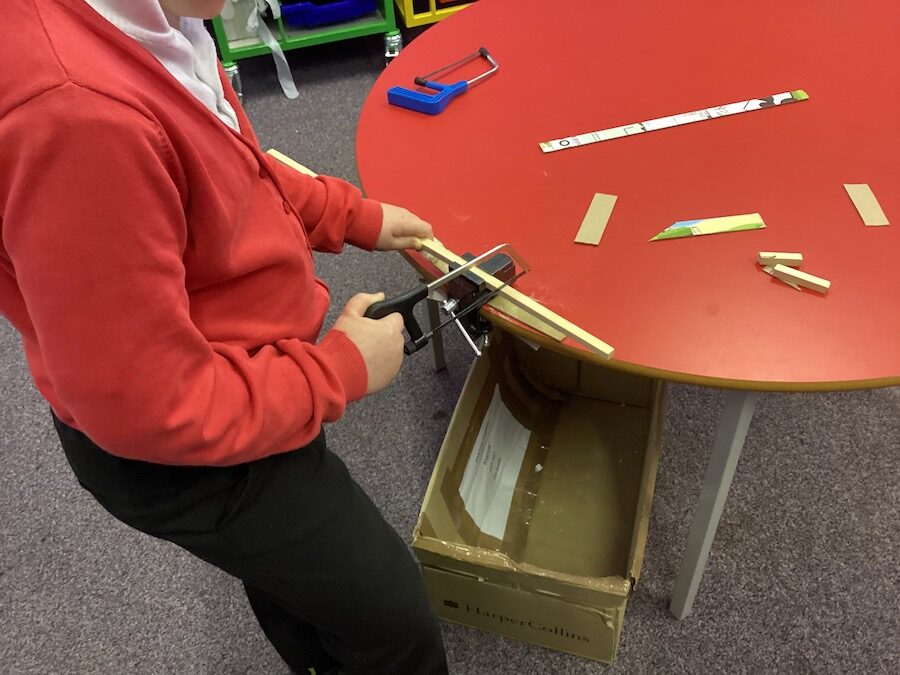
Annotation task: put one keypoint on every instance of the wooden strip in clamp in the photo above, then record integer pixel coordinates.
(287, 161)
(864, 201)
(506, 306)
(500, 303)
(529, 305)
(594, 224)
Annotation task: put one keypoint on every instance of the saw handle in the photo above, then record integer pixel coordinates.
(430, 104)
(404, 305)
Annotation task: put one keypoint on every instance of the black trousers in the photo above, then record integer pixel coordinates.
(332, 584)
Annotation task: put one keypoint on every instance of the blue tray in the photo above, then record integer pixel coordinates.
(308, 14)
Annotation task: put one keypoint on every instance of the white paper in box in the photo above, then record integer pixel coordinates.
(490, 476)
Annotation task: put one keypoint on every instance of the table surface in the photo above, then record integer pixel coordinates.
(696, 309)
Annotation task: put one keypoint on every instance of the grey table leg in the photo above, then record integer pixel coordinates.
(726, 451)
(437, 340)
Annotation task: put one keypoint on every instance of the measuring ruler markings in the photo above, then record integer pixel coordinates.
(674, 120)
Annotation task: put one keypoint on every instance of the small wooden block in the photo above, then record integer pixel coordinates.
(770, 269)
(864, 201)
(801, 278)
(594, 224)
(772, 258)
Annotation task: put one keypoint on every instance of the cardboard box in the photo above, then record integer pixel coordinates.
(535, 520)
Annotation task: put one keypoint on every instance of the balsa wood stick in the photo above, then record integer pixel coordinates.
(522, 301)
(508, 301)
(287, 161)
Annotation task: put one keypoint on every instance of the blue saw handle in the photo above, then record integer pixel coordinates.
(430, 104)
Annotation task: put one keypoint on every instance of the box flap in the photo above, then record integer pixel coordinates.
(648, 482)
(498, 568)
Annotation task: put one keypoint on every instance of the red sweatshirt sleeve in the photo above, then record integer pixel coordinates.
(333, 211)
(95, 229)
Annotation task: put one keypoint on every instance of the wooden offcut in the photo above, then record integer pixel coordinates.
(772, 258)
(864, 201)
(594, 223)
(803, 279)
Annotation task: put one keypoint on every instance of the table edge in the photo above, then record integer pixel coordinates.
(499, 319)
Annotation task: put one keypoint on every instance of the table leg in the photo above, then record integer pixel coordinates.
(726, 451)
(437, 340)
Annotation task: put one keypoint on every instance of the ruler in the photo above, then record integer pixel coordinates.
(674, 120)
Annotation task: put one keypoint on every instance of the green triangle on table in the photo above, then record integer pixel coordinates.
(694, 228)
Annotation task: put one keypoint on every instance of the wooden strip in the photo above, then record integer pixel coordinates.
(778, 258)
(648, 481)
(802, 278)
(499, 302)
(287, 161)
(506, 306)
(594, 224)
(529, 305)
(864, 201)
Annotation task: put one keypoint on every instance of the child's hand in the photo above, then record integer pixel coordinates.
(380, 341)
(401, 229)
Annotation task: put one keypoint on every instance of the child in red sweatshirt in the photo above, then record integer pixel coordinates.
(158, 267)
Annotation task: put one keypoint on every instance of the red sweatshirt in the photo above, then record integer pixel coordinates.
(156, 263)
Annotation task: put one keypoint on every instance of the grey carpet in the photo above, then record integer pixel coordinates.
(803, 575)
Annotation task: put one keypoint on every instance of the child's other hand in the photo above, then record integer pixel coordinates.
(401, 229)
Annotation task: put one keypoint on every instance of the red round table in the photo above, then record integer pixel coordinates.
(696, 309)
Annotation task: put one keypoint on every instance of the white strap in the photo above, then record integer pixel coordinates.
(255, 24)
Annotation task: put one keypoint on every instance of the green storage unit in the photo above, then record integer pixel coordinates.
(236, 43)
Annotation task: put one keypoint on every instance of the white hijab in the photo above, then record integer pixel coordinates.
(180, 44)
